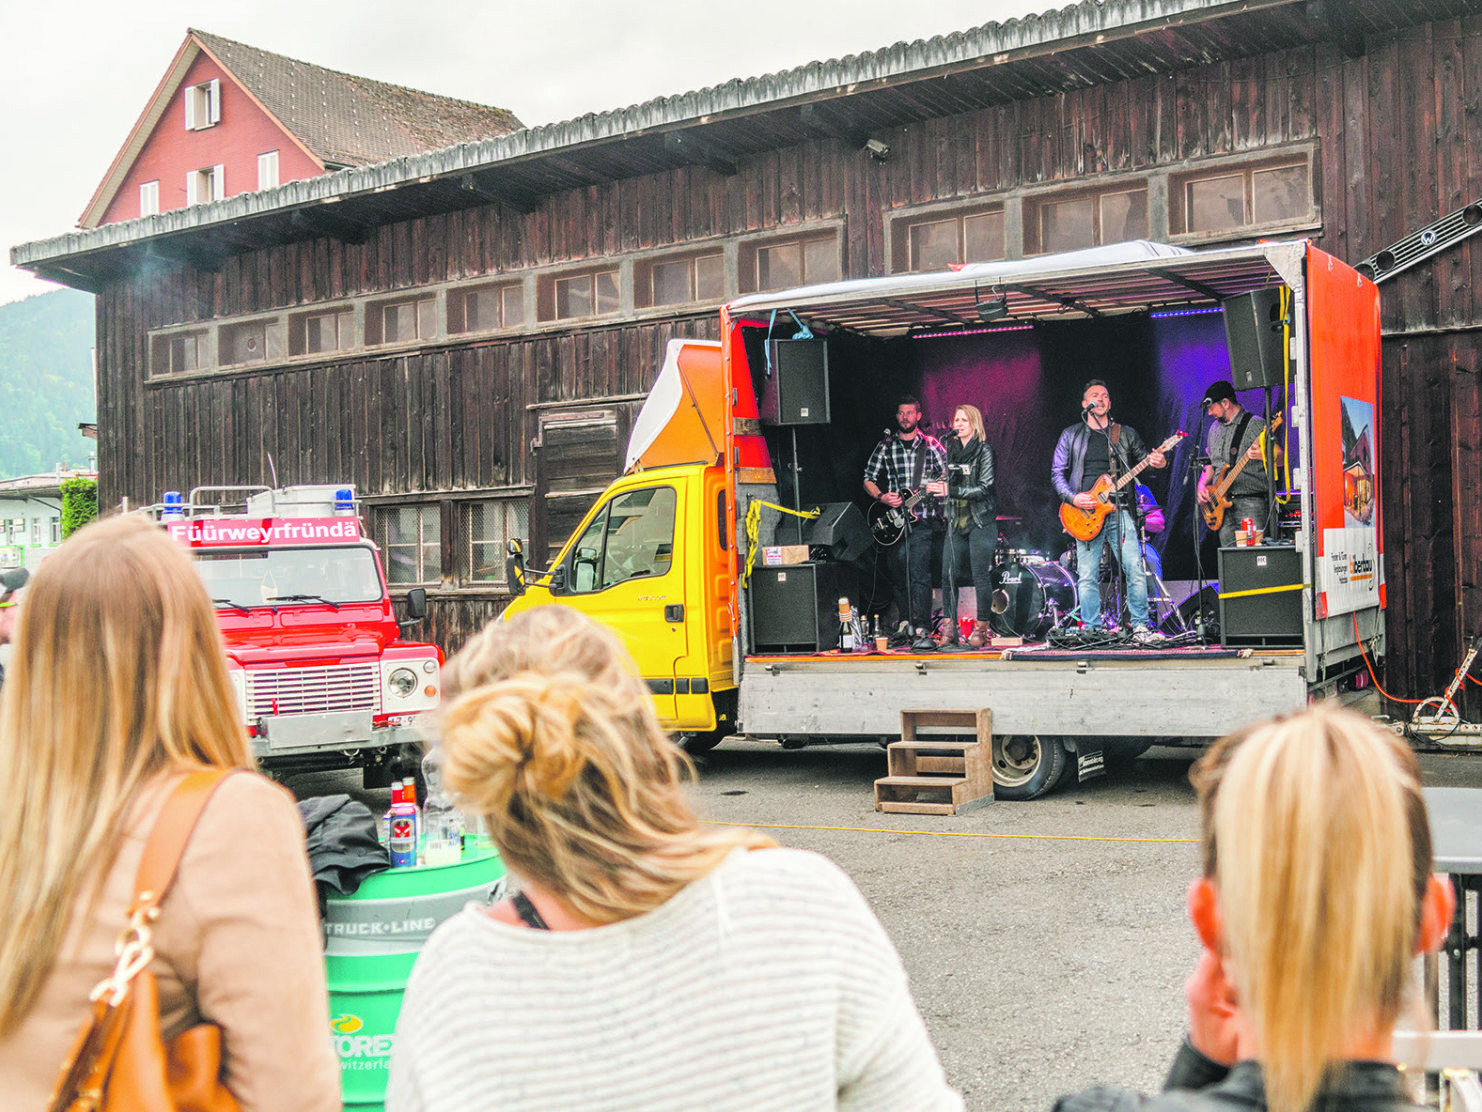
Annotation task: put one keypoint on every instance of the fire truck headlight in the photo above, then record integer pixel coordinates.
(402, 682)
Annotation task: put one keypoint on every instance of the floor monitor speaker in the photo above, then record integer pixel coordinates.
(841, 528)
(1254, 333)
(795, 608)
(1261, 596)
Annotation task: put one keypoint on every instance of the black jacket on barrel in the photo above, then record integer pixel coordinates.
(975, 486)
(1196, 1084)
(1067, 471)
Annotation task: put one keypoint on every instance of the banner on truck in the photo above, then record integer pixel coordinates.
(1349, 527)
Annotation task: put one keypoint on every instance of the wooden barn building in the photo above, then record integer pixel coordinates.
(466, 334)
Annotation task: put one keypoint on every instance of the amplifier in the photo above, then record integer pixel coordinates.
(796, 608)
(1261, 596)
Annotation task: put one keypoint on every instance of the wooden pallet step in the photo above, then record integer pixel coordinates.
(941, 782)
(908, 807)
(940, 743)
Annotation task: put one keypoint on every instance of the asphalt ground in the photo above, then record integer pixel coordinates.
(1046, 941)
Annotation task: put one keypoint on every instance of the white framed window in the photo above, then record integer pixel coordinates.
(56, 530)
(321, 331)
(489, 526)
(944, 239)
(149, 198)
(410, 537)
(1232, 198)
(178, 353)
(208, 184)
(401, 321)
(249, 341)
(681, 279)
(267, 170)
(203, 105)
(1068, 223)
(593, 293)
(797, 260)
(486, 308)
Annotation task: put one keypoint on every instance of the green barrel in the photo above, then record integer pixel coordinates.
(372, 940)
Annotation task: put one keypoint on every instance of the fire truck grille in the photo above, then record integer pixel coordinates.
(288, 691)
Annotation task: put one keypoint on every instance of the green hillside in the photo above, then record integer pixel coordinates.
(46, 382)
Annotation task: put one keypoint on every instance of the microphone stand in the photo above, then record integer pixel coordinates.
(1115, 456)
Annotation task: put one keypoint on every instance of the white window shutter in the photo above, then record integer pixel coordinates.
(190, 108)
(218, 182)
(192, 192)
(216, 100)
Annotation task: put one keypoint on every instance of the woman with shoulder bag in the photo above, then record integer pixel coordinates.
(972, 524)
(116, 706)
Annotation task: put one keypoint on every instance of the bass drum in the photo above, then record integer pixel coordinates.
(1030, 597)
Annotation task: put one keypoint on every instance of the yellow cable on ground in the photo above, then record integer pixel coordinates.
(753, 528)
(962, 833)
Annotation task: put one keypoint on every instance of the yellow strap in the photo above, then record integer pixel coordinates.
(753, 528)
(1261, 591)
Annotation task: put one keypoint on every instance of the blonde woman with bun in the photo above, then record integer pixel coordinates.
(648, 962)
(117, 690)
(1316, 896)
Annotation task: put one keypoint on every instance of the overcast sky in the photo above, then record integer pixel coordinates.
(75, 77)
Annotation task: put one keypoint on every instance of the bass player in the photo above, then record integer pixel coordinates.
(1092, 447)
(1236, 432)
(902, 464)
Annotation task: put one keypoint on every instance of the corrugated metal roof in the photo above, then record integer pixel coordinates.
(996, 63)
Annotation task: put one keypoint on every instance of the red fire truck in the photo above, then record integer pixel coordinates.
(315, 652)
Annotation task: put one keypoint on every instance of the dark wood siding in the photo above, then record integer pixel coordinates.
(1396, 140)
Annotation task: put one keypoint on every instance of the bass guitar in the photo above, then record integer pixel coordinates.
(888, 523)
(1214, 509)
(1084, 525)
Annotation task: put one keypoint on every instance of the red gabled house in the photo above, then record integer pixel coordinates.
(228, 118)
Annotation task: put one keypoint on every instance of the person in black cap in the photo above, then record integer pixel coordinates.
(11, 583)
(1235, 433)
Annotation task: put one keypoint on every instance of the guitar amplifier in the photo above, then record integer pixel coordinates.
(795, 609)
(1261, 596)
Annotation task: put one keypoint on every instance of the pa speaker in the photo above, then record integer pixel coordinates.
(796, 392)
(1253, 331)
(795, 608)
(840, 528)
(1261, 595)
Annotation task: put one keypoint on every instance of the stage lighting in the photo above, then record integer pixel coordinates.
(993, 308)
(877, 150)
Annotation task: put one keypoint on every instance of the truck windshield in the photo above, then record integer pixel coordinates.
(290, 576)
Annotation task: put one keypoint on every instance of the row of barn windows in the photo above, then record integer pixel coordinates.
(1248, 197)
(461, 544)
(207, 184)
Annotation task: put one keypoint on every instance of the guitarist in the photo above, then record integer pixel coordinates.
(1235, 433)
(902, 463)
(1092, 447)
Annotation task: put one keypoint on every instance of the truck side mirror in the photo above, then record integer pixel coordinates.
(558, 579)
(416, 606)
(514, 568)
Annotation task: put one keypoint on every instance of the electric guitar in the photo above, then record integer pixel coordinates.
(1084, 525)
(1214, 510)
(888, 523)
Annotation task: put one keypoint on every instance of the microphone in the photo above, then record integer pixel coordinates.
(1088, 407)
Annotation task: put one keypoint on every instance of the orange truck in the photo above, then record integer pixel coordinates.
(728, 599)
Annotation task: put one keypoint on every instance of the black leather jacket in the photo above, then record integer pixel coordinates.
(1068, 469)
(1196, 1084)
(976, 488)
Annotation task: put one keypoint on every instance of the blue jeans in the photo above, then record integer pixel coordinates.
(1119, 531)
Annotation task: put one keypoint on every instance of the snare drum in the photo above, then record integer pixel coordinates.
(1029, 597)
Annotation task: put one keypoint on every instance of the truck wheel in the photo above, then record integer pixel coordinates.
(1026, 766)
(694, 744)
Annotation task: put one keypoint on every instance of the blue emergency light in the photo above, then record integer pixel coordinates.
(344, 501)
(174, 506)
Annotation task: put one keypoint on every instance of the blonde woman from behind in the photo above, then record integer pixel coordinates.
(118, 689)
(649, 962)
(1315, 899)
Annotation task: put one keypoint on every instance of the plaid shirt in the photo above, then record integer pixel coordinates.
(893, 463)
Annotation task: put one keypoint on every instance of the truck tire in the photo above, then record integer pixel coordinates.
(1026, 766)
(694, 744)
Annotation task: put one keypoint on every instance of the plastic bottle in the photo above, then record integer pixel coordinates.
(442, 823)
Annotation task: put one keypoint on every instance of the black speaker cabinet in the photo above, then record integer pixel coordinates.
(795, 608)
(1261, 596)
(797, 391)
(842, 529)
(1254, 333)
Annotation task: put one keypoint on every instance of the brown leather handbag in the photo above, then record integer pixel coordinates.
(119, 1061)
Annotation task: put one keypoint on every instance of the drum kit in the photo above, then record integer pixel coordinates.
(1033, 594)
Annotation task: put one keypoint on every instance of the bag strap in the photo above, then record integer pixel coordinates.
(172, 831)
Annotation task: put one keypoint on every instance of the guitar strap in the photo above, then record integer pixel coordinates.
(918, 462)
(1240, 427)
